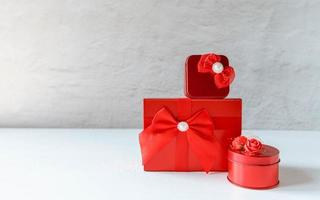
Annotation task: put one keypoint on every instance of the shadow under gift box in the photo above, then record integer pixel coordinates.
(177, 155)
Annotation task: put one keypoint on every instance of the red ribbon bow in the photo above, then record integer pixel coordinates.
(164, 128)
(222, 79)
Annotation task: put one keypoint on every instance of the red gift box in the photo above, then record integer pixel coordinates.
(201, 85)
(259, 171)
(202, 140)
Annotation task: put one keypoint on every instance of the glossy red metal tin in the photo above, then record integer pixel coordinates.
(201, 85)
(256, 172)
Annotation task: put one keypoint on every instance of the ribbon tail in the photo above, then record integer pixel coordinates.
(204, 148)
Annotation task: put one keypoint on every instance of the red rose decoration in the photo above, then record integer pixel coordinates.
(246, 146)
(252, 146)
(238, 143)
(222, 73)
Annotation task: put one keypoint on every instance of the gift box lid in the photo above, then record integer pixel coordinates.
(201, 85)
(224, 111)
(269, 155)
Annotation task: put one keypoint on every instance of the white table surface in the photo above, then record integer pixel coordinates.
(45, 164)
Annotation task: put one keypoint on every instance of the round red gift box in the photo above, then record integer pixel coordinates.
(257, 172)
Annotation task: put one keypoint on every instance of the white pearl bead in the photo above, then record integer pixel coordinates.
(217, 67)
(183, 126)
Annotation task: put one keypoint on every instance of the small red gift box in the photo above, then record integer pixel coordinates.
(202, 80)
(188, 134)
(259, 171)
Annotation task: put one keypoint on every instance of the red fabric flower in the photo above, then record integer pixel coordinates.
(219, 68)
(238, 143)
(246, 146)
(252, 146)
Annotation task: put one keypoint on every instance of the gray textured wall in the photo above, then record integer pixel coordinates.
(89, 63)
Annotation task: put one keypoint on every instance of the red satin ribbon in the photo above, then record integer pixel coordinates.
(163, 130)
(221, 80)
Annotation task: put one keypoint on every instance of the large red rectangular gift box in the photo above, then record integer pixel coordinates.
(178, 152)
